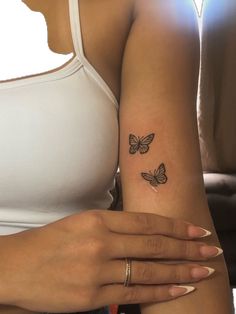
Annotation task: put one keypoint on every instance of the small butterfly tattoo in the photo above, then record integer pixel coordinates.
(159, 176)
(140, 144)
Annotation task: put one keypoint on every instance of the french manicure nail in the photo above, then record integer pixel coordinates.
(202, 272)
(198, 232)
(176, 291)
(210, 251)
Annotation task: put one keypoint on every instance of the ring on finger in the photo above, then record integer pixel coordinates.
(127, 281)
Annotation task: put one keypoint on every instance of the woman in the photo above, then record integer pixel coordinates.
(67, 129)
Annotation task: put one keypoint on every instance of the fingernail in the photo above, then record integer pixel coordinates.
(202, 272)
(176, 291)
(198, 232)
(210, 251)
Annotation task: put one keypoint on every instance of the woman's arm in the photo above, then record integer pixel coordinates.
(158, 100)
(5, 309)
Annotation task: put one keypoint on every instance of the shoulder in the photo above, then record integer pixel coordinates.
(167, 13)
(161, 25)
(164, 6)
(164, 43)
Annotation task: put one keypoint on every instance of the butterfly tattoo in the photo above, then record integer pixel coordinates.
(140, 144)
(159, 176)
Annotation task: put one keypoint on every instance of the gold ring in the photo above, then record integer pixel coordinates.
(127, 272)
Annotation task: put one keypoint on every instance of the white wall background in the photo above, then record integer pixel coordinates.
(24, 49)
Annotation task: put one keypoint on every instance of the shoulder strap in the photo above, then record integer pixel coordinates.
(78, 46)
(76, 28)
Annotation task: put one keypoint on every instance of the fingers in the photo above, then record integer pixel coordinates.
(147, 223)
(158, 246)
(135, 294)
(153, 273)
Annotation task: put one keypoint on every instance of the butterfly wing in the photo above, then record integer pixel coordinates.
(150, 178)
(143, 148)
(147, 139)
(134, 144)
(144, 142)
(160, 175)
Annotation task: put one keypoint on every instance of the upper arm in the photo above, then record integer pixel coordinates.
(158, 95)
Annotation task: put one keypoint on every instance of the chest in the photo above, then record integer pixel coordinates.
(52, 150)
(60, 123)
(105, 25)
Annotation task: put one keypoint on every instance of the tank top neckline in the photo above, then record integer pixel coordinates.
(77, 61)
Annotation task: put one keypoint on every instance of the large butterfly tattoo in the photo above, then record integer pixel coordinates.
(140, 144)
(159, 176)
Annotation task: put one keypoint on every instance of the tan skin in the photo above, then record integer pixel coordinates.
(107, 62)
(110, 25)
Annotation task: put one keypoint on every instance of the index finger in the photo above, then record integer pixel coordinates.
(149, 223)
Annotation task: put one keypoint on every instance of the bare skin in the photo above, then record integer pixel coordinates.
(113, 28)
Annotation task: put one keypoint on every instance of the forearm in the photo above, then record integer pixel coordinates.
(214, 292)
(8, 269)
(5, 309)
(182, 197)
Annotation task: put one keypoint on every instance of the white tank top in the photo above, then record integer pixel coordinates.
(58, 142)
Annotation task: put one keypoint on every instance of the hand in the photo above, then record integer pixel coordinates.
(77, 263)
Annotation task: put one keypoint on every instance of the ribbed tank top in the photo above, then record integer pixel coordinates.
(58, 142)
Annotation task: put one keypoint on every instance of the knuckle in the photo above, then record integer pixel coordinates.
(94, 219)
(144, 221)
(145, 273)
(155, 246)
(172, 226)
(176, 226)
(186, 249)
(95, 246)
(132, 295)
(178, 274)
